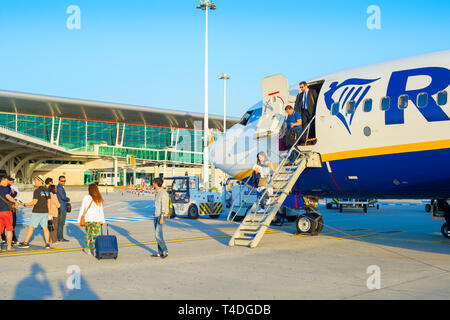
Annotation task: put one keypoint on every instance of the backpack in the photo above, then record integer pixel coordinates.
(291, 137)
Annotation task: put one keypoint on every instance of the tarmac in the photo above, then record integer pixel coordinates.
(396, 252)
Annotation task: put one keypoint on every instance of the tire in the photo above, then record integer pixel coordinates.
(340, 208)
(444, 230)
(428, 207)
(306, 223)
(214, 216)
(303, 224)
(193, 212)
(233, 214)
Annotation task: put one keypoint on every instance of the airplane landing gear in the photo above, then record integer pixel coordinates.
(311, 223)
(444, 230)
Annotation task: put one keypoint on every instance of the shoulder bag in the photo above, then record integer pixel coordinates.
(83, 220)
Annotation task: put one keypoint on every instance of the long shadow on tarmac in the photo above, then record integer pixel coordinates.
(84, 293)
(211, 230)
(76, 232)
(126, 234)
(34, 287)
(37, 287)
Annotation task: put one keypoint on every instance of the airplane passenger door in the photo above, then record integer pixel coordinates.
(275, 90)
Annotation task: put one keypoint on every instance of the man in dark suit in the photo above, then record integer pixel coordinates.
(307, 108)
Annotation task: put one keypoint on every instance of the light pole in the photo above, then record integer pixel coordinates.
(224, 77)
(206, 5)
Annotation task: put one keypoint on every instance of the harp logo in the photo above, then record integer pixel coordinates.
(353, 89)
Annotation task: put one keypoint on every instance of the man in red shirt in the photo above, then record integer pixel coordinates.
(6, 217)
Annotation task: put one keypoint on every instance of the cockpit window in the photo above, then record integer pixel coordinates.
(251, 116)
(245, 118)
(255, 115)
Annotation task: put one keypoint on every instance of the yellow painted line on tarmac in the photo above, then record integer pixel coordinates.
(357, 236)
(47, 251)
(309, 235)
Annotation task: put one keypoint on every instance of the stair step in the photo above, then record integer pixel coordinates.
(247, 236)
(250, 228)
(242, 242)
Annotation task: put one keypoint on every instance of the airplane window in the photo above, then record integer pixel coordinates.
(351, 106)
(335, 109)
(367, 105)
(403, 101)
(255, 115)
(385, 103)
(442, 98)
(245, 118)
(422, 100)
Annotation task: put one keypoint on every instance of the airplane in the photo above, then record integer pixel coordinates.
(382, 131)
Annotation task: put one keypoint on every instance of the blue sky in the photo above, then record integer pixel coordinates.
(150, 53)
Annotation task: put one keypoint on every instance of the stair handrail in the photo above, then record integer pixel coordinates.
(269, 182)
(246, 185)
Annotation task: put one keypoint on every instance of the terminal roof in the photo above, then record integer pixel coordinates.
(50, 106)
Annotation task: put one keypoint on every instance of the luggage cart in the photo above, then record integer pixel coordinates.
(242, 197)
(347, 203)
(438, 213)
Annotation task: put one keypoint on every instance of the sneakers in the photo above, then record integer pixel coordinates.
(156, 255)
(47, 246)
(164, 255)
(23, 245)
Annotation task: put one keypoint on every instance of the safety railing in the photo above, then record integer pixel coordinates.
(281, 165)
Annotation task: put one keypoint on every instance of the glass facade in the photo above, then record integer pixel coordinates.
(113, 139)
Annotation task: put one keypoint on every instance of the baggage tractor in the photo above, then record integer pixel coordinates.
(106, 246)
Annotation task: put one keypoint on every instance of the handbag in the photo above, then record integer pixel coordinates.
(291, 137)
(262, 182)
(10, 204)
(68, 207)
(82, 219)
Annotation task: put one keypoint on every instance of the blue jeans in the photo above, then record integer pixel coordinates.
(159, 236)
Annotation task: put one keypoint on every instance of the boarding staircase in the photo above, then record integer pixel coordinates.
(260, 214)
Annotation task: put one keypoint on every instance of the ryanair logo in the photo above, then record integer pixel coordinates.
(353, 89)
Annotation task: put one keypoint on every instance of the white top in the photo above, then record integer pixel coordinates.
(263, 169)
(94, 214)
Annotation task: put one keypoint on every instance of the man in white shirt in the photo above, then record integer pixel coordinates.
(161, 209)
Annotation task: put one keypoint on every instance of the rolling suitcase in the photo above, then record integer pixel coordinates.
(106, 246)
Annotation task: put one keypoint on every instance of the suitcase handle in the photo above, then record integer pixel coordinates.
(107, 229)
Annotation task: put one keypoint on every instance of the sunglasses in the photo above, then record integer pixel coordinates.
(62, 180)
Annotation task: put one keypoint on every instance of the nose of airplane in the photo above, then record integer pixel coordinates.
(215, 152)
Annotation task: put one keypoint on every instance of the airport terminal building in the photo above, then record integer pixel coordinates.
(89, 141)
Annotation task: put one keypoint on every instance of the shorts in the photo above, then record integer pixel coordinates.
(37, 219)
(6, 221)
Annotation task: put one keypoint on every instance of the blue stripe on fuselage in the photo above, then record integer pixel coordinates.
(422, 174)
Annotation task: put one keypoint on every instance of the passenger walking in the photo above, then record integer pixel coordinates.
(62, 211)
(53, 213)
(161, 209)
(39, 215)
(263, 169)
(48, 182)
(6, 217)
(94, 216)
(14, 192)
(305, 104)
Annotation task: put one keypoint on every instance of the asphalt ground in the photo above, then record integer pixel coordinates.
(396, 252)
